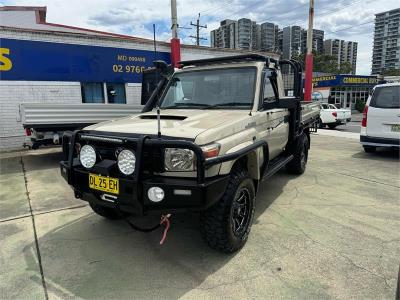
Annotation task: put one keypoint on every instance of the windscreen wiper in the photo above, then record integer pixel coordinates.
(229, 104)
(180, 105)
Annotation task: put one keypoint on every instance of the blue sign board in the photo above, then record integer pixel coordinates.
(43, 61)
(344, 80)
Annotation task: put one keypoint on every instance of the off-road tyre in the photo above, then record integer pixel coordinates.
(106, 212)
(217, 222)
(369, 149)
(298, 164)
(332, 126)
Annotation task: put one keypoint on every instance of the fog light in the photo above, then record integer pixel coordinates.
(155, 194)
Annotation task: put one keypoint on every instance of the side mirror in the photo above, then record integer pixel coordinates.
(164, 69)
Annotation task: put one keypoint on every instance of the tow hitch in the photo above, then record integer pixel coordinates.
(164, 220)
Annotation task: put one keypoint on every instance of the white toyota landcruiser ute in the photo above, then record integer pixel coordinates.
(208, 135)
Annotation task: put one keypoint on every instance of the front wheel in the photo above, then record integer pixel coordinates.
(226, 225)
(298, 164)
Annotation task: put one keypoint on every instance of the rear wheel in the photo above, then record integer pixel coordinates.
(298, 164)
(226, 225)
(369, 149)
(320, 124)
(332, 126)
(106, 212)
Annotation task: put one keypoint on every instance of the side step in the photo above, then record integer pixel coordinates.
(276, 165)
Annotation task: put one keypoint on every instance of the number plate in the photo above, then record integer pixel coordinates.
(396, 128)
(104, 184)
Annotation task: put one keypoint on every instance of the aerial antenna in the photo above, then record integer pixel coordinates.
(158, 100)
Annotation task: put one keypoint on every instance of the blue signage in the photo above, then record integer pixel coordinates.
(344, 80)
(43, 61)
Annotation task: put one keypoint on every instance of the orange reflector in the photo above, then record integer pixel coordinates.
(211, 153)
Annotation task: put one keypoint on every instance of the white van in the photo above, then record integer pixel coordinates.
(380, 126)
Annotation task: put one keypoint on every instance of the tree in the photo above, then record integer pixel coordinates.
(325, 63)
(391, 72)
(345, 68)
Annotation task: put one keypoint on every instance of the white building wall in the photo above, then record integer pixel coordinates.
(13, 93)
(133, 93)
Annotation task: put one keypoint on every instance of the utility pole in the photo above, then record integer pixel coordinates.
(175, 42)
(309, 56)
(197, 25)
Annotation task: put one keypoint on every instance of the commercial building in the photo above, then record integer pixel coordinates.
(343, 51)
(43, 62)
(343, 90)
(386, 49)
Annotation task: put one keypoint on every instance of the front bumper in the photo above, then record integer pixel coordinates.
(366, 140)
(133, 198)
(181, 194)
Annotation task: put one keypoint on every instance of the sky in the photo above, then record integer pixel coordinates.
(351, 20)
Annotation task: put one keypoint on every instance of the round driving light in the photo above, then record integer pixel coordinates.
(126, 162)
(155, 194)
(87, 156)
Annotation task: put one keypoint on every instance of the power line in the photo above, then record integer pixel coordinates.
(217, 7)
(330, 32)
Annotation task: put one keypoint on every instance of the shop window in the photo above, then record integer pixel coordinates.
(116, 93)
(92, 92)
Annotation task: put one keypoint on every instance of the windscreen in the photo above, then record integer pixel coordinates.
(386, 97)
(231, 87)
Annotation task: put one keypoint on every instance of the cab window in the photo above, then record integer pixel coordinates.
(269, 94)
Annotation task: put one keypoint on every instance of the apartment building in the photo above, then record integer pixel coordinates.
(386, 47)
(269, 37)
(244, 34)
(225, 36)
(291, 41)
(317, 41)
(343, 51)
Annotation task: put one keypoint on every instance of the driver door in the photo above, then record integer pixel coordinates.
(273, 123)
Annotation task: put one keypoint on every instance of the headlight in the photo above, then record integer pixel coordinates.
(87, 156)
(179, 159)
(126, 162)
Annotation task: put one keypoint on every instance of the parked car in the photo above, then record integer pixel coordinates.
(332, 116)
(221, 126)
(380, 126)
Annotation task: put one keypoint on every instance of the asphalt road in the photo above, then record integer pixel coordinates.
(350, 127)
(332, 233)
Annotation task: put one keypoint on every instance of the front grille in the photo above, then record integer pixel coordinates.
(153, 160)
